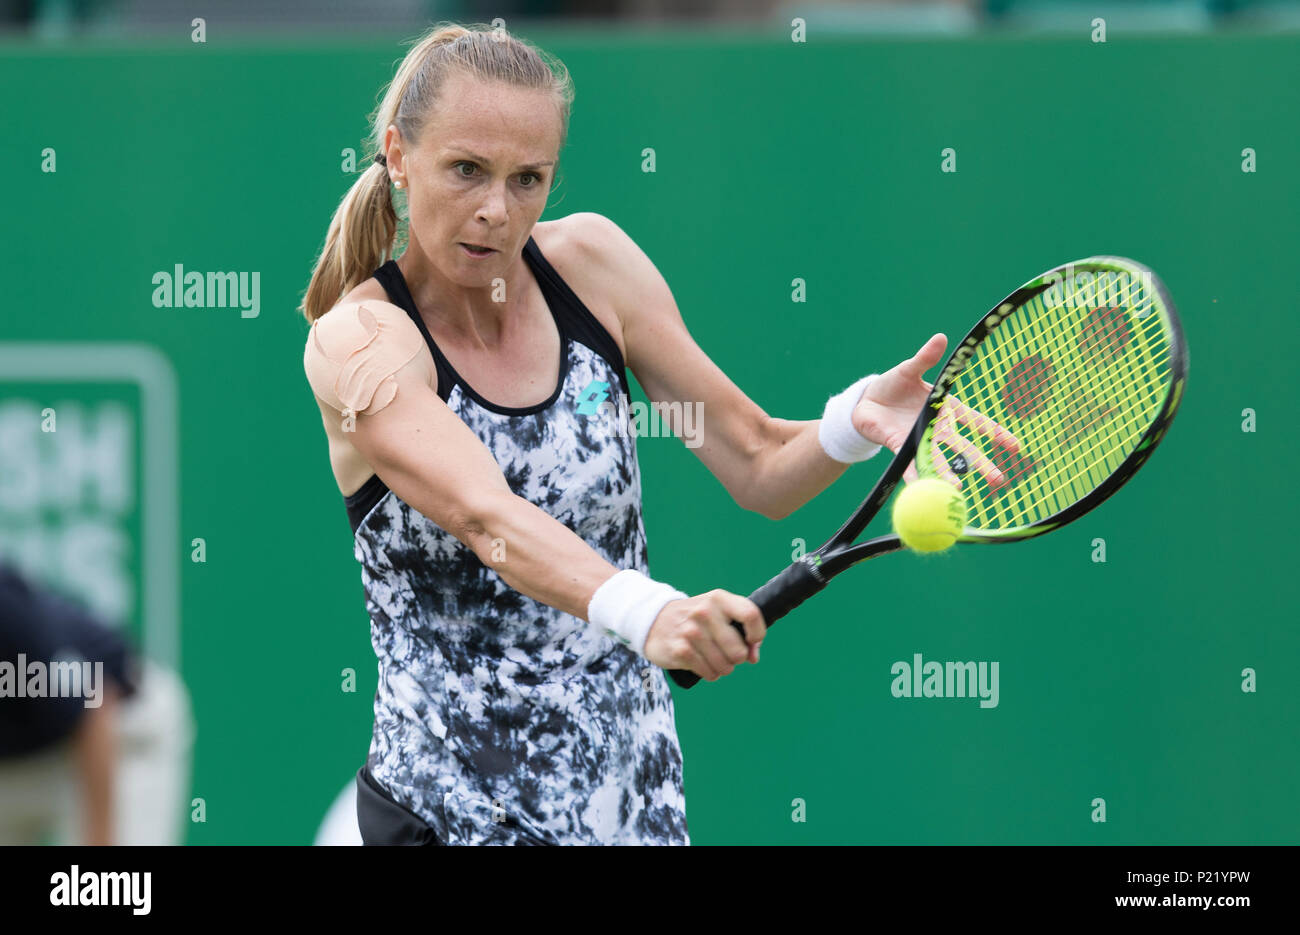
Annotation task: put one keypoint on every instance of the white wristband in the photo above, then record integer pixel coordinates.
(627, 604)
(840, 440)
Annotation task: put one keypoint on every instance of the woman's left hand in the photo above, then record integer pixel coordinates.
(892, 401)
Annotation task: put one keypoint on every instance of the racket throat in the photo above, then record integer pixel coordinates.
(813, 561)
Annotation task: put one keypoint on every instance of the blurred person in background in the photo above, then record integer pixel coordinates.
(49, 19)
(108, 765)
(16, 14)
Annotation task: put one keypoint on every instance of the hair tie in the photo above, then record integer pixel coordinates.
(381, 159)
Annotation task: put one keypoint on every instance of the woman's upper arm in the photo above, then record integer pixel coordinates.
(667, 362)
(368, 362)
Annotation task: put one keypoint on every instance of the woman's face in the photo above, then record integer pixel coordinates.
(479, 175)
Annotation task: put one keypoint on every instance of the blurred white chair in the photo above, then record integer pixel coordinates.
(151, 787)
(340, 824)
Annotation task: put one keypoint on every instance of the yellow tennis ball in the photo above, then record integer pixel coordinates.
(929, 514)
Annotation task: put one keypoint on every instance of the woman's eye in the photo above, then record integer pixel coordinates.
(533, 177)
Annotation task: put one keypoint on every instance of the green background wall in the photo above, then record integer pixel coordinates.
(775, 161)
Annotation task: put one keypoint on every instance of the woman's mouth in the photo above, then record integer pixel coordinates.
(477, 251)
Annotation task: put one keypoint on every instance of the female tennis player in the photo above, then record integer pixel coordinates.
(521, 641)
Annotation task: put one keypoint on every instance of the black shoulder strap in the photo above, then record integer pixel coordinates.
(575, 316)
(394, 283)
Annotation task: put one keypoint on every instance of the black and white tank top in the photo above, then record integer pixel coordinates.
(500, 719)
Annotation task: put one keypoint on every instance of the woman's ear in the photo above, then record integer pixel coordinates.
(394, 147)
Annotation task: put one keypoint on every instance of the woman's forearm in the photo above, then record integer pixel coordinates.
(791, 468)
(536, 554)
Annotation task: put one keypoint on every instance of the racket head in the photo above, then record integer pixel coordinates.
(1085, 366)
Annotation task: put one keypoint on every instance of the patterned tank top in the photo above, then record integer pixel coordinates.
(500, 719)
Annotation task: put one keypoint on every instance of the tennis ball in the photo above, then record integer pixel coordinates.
(929, 514)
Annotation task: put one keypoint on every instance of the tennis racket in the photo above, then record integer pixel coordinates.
(1065, 387)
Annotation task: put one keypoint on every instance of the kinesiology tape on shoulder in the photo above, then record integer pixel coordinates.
(354, 352)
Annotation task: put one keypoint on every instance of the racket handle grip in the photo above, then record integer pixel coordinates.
(786, 591)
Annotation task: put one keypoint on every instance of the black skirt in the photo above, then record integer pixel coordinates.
(384, 821)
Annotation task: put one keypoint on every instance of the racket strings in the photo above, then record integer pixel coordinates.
(1077, 374)
(1079, 411)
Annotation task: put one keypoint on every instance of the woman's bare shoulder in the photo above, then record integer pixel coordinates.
(356, 356)
(363, 326)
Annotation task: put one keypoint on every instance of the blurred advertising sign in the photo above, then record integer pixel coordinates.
(88, 480)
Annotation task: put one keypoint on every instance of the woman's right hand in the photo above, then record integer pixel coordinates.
(695, 633)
